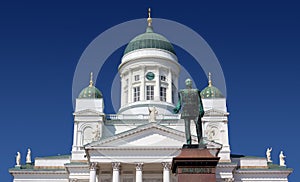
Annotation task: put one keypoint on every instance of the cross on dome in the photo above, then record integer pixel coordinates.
(91, 80)
(209, 79)
(149, 20)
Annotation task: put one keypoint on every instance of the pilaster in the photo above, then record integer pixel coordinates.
(93, 171)
(166, 171)
(116, 171)
(139, 172)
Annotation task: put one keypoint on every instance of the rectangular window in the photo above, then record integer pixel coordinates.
(163, 93)
(149, 92)
(163, 78)
(136, 94)
(136, 77)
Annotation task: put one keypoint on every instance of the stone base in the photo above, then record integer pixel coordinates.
(194, 146)
(195, 164)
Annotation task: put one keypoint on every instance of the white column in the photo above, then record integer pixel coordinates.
(93, 168)
(175, 82)
(157, 85)
(166, 173)
(79, 139)
(169, 89)
(122, 88)
(229, 179)
(116, 171)
(139, 172)
(143, 87)
(130, 100)
(75, 138)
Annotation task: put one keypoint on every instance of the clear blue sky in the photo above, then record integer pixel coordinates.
(257, 44)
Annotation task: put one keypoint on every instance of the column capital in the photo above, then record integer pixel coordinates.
(93, 165)
(166, 165)
(116, 166)
(229, 179)
(139, 166)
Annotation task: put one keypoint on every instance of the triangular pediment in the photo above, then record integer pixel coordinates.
(150, 135)
(215, 112)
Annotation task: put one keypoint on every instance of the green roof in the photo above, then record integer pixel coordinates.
(90, 92)
(245, 156)
(30, 167)
(55, 157)
(277, 167)
(77, 163)
(211, 92)
(149, 39)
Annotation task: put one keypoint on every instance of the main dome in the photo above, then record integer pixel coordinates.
(149, 39)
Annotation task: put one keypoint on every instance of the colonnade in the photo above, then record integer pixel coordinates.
(138, 171)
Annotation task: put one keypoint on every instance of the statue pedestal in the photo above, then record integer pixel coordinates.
(195, 163)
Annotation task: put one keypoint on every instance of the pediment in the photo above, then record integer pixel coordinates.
(215, 112)
(87, 112)
(150, 135)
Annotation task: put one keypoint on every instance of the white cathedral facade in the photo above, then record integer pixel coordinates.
(139, 142)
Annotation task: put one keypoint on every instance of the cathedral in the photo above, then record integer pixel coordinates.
(139, 142)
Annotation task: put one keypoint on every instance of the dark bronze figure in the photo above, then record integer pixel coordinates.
(190, 103)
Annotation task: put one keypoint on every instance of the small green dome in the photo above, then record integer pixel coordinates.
(211, 92)
(90, 92)
(149, 39)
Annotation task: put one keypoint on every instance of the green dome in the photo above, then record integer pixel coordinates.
(149, 39)
(211, 92)
(90, 92)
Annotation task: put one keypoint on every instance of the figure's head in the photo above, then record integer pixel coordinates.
(188, 83)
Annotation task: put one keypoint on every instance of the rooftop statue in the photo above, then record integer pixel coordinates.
(190, 103)
(268, 153)
(28, 156)
(18, 159)
(282, 159)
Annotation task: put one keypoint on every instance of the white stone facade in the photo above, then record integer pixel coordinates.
(128, 146)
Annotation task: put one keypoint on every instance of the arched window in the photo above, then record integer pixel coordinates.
(87, 135)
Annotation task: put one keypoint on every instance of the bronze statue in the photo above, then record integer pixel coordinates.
(192, 109)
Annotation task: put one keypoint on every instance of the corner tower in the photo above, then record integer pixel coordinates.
(88, 120)
(149, 73)
(215, 120)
